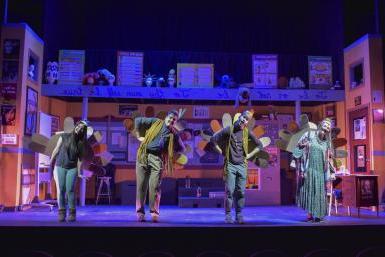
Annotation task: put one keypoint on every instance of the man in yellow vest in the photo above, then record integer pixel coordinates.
(232, 142)
(159, 140)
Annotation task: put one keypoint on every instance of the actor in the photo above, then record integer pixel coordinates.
(232, 142)
(155, 154)
(313, 152)
(67, 156)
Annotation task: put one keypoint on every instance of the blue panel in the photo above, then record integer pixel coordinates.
(190, 93)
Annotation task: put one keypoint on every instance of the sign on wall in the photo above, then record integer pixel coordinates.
(201, 112)
(71, 66)
(320, 72)
(195, 75)
(130, 68)
(265, 70)
(9, 139)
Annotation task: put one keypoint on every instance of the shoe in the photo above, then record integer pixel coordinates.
(155, 217)
(318, 220)
(309, 219)
(72, 215)
(140, 217)
(62, 215)
(228, 219)
(239, 219)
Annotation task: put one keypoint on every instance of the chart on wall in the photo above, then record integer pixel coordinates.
(265, 70)
(320, 72)
(71, 66)
(130, 68)
(192, 75)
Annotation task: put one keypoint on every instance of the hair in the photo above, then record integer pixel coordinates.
(174, 112)
(247, 113)
(77, 141)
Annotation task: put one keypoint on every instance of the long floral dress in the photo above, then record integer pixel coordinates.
(311, 194)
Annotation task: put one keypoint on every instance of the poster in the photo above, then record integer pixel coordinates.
(360, 155)
(8, 115)
(11, 49)
(359, 127)
(320, 72)
(127, 110)
(10, 71)
(31, 112)
(195, 75)
(71, 66)
(8, 91)
(201, 112)
(130, 69)
(9, 139)
(265, 70)
(367, 189)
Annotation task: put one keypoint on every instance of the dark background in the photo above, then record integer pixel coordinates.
(221, 32)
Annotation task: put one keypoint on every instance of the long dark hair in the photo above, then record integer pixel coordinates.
(77, 142)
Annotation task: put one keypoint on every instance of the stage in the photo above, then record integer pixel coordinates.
(269, 230)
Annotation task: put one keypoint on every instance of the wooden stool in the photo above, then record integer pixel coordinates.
(101, 194)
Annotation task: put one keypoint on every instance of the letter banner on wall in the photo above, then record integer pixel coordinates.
(320, 72)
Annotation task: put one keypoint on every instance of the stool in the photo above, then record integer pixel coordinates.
(101, 194)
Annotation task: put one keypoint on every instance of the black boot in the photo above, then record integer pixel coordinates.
(62, 215)
(72, 215)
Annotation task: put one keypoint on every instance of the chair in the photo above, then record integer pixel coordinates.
(104, 180)
(331, 193)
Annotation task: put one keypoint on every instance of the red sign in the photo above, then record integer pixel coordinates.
(8, 91)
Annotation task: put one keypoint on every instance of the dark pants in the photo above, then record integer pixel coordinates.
(149, 176)
(235, 185)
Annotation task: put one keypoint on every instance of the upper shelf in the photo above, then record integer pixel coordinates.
(220, 94)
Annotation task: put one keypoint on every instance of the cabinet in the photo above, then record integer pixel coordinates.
(360, 191)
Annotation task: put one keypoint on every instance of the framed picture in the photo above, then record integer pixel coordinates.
(33, 66)
(360, 158)
(359, 128)
(367, 190)
(8, 115)
(10, 71)
(11, 49)
(31, 112)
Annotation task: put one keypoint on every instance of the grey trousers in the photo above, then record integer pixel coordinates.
(235, 185)
(149, 176)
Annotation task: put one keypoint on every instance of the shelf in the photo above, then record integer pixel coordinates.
(199, 94)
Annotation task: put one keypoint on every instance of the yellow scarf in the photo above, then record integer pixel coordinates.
(151, 133)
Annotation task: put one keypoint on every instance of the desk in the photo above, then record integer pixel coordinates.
(359, 191)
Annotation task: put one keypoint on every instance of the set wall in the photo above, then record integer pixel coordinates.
(14, 158)
(369, 50)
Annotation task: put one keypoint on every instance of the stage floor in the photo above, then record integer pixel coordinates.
(173, 216)
(278, 231)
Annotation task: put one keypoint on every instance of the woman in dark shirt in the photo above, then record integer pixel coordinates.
(67, 156)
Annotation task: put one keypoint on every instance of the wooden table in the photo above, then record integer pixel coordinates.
(359, 191)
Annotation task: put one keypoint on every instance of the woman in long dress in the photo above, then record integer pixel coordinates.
(313, 152)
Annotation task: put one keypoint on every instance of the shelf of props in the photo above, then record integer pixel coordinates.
(197, 94)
